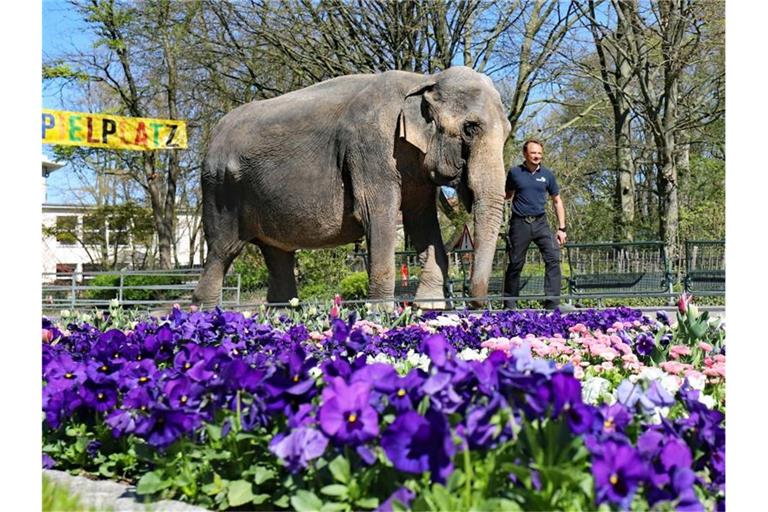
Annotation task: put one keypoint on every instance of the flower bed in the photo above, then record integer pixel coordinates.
(508, 410)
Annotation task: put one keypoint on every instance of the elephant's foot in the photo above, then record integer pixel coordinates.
(430, 304)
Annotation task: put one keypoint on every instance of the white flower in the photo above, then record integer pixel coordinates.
(658, 413)
(469, 354)
(294, 302)
(595, 388)
(312, 311)
(707, 400)
(379, 358)
(114, 303)
(86, 317)
(445, 321)
(697, 380)
(417, 360)
(64, 312)
(315, 372)
(670, 383)
(651, 373)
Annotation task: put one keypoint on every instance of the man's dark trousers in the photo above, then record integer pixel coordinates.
(521, 234)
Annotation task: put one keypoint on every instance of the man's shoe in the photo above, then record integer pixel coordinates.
(566, 308)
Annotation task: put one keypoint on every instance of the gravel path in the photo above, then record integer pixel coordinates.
(108, 495)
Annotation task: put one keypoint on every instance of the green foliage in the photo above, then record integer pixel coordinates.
(58, 498)
(320, 271)
(354, 286)
(252, 269)
(111, 284)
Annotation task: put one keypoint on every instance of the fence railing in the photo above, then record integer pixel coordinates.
(146, 288)
(594, 271)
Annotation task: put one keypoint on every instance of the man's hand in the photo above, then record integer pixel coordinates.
(561, 236)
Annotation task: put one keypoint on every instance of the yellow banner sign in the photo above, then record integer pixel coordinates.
(116, 132)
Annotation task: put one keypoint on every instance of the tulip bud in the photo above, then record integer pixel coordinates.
(335, 311)
(683, 302)
(337, 300)
(294, 302)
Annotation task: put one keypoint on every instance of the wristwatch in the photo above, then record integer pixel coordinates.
(561, 229)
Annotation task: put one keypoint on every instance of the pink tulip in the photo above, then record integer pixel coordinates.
(47, 336)
(684, 302)
(193, 308)
(720, 358)
(337, 300)
(335, 311)
(706, 347)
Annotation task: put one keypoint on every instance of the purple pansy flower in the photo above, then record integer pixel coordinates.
(346, 414)
(415, 444)
(618, 470)
(299, 447)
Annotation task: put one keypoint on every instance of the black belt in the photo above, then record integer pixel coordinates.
(530, 219)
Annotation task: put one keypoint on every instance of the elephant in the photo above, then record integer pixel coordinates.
(341, 160)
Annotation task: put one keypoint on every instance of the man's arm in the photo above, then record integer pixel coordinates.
(557, 202)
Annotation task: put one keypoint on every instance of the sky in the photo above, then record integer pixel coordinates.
(62, 31)
(746, 227)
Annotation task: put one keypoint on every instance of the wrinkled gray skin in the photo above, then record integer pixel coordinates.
(326, 165)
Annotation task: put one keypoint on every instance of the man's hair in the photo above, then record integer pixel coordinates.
(531, 141)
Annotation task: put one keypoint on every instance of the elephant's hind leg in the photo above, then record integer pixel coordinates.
(282, 282)
(221, 254)
(422, 226)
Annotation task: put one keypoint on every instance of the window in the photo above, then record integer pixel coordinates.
(93, 230)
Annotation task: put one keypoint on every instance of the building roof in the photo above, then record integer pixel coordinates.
(49, 166)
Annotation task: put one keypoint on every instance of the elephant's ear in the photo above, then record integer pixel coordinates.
(415, 121)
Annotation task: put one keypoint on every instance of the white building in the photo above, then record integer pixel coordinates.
(66, 254)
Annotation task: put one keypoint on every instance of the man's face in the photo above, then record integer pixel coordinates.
(533, 153)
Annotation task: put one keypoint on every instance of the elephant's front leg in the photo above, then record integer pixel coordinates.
(420, 222)
(381, 239)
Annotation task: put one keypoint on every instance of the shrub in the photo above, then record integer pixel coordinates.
(252, 269)
(113, 282)
(354, 286)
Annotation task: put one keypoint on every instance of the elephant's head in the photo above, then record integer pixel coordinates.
(456, 119)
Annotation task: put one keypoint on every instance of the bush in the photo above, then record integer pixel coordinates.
(113, 282)
(252, 269)
(354, 286)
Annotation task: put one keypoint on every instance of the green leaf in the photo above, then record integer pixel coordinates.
(214, 431)
(260, 498)
(340, 469)
(152, 482)
(443, 498)
(334, 507)
(369, 503)
(239, 493)
(262, 474)
(305, 501)
(334, 490)
(215, 487)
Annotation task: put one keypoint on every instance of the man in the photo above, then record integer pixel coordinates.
(528, 185)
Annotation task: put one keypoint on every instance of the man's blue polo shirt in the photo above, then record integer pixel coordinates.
(530, 189)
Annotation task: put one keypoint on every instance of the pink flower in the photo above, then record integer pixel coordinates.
(578, 372)
(715, 371)
(622, 347)
(706, 347)
(675, 351)
(193, 308)
(47, 336)
(631, 362)
(579, 328)
(334, 311)
(720, 358)
(608, 354)
(607, 365)
(683, 302)
(337, 300)
(672, 367)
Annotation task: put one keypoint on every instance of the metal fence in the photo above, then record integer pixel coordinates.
(145, 288)
(598, 270)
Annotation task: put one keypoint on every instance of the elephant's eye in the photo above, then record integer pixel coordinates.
(471, 129)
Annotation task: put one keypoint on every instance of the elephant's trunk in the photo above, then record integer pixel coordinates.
(487, 186)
